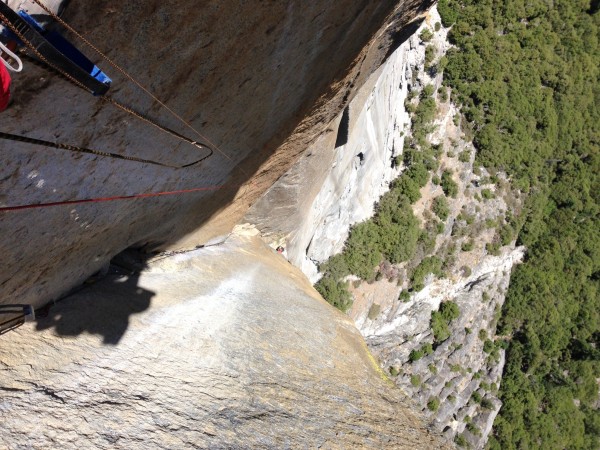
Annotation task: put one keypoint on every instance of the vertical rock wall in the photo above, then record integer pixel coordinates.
(340, 177)
(260, 80)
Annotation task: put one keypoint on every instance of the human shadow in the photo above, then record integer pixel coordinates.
(103, 308)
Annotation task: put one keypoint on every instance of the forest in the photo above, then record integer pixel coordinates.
(526, 76)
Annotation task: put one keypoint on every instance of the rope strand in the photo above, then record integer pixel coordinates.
(127, 75)
(105, 98)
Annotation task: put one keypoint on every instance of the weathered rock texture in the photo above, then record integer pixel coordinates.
(261, 80)
(222, 347)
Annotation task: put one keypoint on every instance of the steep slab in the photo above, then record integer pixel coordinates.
(224, 347)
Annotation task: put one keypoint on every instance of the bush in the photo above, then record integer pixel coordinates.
(426, 35)
(415, 355)
(449, 311)
(374, 311)
(488, 346)
(486, 403)
(443, 94)
(433, 404)
(415, 380)
(431, 264)
(394, 371)
(429, 56)
(476, 397)
(440, 207)
(425, 350)
(487, 194)
(460, 440)
(467, 246)
(335, 292)
(482, 334)
(464, 156)
(449, 187)
(473, 429)
(441, 319)
(404, 296)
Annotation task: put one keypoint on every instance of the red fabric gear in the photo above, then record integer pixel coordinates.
(4, 87)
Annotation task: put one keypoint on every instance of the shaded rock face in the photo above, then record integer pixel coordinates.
(337, 181)
(223, 347)
(260, 80)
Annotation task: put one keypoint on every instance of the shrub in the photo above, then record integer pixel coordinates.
(482, 334)
(464, 156)
(488, 346)
(432, 368)
(449, 310)
(415, 380)
(487, 194)
(415, 355)
(467, 246)
(493, 248)
(427, 91)
(433, 404)
(335, 292)
(440, 207)
(426, 35)
(394, 371)
(466, 271)
(473, 429)
(443, 94)
(486, 403)
(449, 187)
(476, 397)
(440, 329)
(431, 264)
(404, 296)
(427, 349)
(374, 311)
(429, 55)
(460, 440)
(441, 319)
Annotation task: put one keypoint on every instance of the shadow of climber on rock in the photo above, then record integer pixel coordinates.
(103, 309)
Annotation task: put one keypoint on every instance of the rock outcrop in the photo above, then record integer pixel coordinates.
(260, 80)
(227, 346)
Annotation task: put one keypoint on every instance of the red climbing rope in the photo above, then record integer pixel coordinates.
(119, 197)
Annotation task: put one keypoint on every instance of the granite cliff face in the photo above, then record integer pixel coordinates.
(224, 346)
(260, 80)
